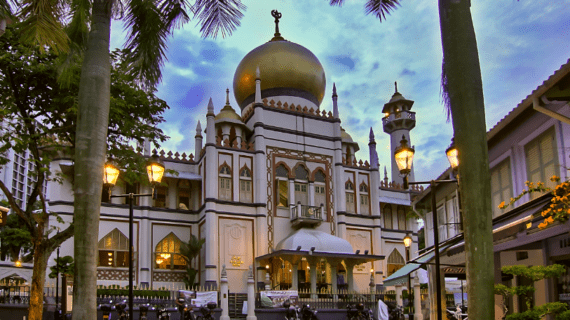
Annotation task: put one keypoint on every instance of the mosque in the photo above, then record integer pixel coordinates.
(275, 184)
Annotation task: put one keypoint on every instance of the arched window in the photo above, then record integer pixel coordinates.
(349, 191)
(114, 250)
(395, 262)
(184, 194)
(167, 253)
(225, 183)
(320, 194)
(387, 213)
(364, 199)
(245, 185)
(301, 185)
(401, 218)
(282, 186)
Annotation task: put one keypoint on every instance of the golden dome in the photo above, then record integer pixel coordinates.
(286, 68)
(227, 112)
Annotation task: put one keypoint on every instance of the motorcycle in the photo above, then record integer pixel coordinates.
(106, 308)
(121, 308)
(358, 312)
(162, 313)
(207, 311)
(292, 312)
(143, 309)
(307, 313)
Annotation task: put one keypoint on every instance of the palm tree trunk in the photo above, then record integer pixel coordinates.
(90, 151)
(462, 75)
(38, 280)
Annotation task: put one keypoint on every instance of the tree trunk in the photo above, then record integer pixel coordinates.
(465, 91)
(38, 279)
(90, 151)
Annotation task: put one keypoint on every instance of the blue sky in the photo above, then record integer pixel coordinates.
(520, 43)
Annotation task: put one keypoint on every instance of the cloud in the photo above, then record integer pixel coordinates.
(407, 72)
(520, 44)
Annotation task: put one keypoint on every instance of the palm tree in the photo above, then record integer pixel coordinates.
(463, 94)
(189, 251)
(88, 31)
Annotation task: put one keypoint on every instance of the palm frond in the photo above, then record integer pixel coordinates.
(5, 9)
(380, 7)
(41, 24)
(218, 16)
(444, 90)
(337, 3)
(147, 40)
(78, 27)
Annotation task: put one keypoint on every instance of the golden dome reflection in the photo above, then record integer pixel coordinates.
(286, 68)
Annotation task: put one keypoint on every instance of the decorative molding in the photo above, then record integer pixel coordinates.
(169, 276)
(113, 274)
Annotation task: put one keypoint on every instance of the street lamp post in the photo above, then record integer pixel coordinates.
(404, 156)
(57, 312)
(408, 243)
(155, 171)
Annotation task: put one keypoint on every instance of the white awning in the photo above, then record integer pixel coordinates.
(184, 175)
(404, 202)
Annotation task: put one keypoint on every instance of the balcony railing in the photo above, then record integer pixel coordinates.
(306, 215)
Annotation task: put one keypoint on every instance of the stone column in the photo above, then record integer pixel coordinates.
(250, 295)
(313, 272)
(399, 300)
(350, 276)
(417, 299)
(295, 277)
(224, 292)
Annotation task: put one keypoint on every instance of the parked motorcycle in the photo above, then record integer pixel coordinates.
(292, 312)
(121, 308)
(207, 311)
(307, 313)
(162, 313)
(106, 308)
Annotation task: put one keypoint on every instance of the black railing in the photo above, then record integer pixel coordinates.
(301, 211)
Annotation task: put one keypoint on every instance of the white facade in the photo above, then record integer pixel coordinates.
(250, 174)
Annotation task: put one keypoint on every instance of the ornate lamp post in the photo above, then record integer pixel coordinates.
(404, 156)
(155, 171)
(408, 243)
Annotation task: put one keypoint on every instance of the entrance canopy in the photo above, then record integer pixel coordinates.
(311, 244)
(401, 275)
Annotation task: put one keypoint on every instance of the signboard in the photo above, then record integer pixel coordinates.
(3, 216)
(277, 297)
(199, 299)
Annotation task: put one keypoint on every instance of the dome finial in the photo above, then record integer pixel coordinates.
(396, 86)
(227, 96)
(277, 15)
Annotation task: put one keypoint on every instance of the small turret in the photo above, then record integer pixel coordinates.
(372, 151)
(198, 140)
(257, 87)
(335, 105)
(210, 128)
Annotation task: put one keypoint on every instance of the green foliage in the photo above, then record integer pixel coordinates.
(564, 315)
(15, 237)
(534, 273)
(189, 251)
(117, 291)
(64, 265)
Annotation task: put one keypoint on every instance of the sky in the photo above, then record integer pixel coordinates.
(521, 43)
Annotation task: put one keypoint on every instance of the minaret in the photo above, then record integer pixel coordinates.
(335, 105)
(257, 87)
(397, 122)
(198, 141)
(372, 151)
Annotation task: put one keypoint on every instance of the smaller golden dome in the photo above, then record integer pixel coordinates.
(227, 111)
(345, 136)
